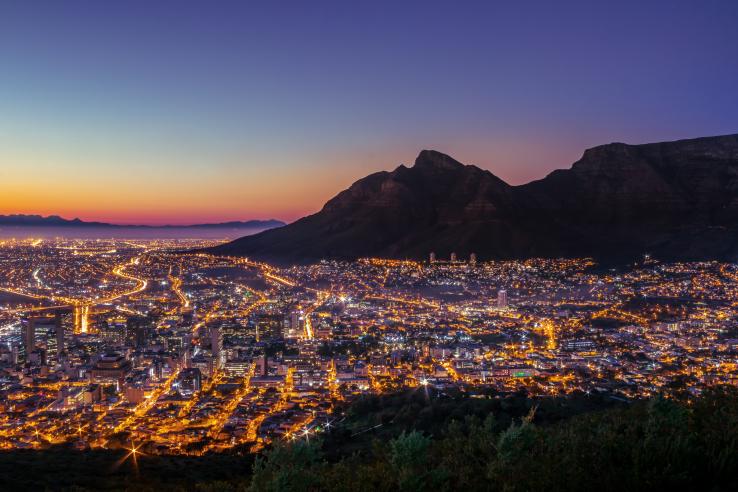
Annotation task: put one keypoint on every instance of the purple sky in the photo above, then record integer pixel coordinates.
(166, 112)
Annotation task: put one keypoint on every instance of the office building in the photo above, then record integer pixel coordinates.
(138, 331)
(43, 333)
(502, 299)
(270, 327)
(189, 381)
(216, 347)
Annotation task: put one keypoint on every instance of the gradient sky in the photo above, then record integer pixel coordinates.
(183, 112)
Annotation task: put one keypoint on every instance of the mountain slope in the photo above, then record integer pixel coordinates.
(678, 200)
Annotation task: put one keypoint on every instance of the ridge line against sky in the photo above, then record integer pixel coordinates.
(181, 112)
(24, 220)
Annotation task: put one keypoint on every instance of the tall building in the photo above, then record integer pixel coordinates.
(17, 349)
(113, 333)
(239, 367)
(453, 257)
(138, 331)
(186, 357)
(216, 346)
(64, 326)
(45, 333)
(189, 381)
(502, 298)
(29, 336)
(261, 365)
(271, 327)
(432, 257)
(59, 333)
(297, 324)
(473, 259)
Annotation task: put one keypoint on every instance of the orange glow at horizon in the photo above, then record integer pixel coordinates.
(153, 198)
(180, 191)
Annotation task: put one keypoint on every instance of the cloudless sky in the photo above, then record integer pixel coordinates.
(182, 112)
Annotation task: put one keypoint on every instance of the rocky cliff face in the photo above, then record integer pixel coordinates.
(678, 200)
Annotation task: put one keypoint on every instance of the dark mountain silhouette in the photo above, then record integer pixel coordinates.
(21, 220)
(674, 200)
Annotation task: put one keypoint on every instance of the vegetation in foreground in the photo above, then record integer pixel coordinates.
(422, 441)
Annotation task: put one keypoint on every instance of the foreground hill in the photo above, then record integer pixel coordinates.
(675, 200)
(416, 441)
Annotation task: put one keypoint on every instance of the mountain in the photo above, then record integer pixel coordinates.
(20, 220)
(674, 200)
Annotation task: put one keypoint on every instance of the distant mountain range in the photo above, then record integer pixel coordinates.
(20, 220)
(674, 200)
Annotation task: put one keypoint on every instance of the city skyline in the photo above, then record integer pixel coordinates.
(179, 114)
(359, 246)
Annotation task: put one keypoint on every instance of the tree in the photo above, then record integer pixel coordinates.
(288, 467)
(409, 458)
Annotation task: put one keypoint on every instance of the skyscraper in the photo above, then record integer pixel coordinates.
(189, 381)
(29, 335)
(297, 323)
(113, 333)
(453, 257)
(432, 257)
(138, 331)
(45, 333)
(473, 259)
(59, 333)
(216, 345)
(502, 298)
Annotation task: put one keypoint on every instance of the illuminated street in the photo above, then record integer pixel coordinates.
(108, 343)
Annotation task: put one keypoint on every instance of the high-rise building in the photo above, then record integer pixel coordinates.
(261, 365)
(113, 333)
(272, 327)
(473, 259)
(237, 367)
(29, 335)
(64, 326)
(45, 333)
(138, 331)
(269, 327)
(297, 324)
(59, 333)
(189, 381)
(432, 257)
(502, 298)
(453, 257)
(204, 364)
(186, 357)
(216, 346)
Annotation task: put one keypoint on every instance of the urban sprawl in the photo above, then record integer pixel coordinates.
(112, 343)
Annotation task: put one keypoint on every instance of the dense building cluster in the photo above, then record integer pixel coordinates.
(109, 343)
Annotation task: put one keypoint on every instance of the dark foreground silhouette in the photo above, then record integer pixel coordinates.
(419, 440)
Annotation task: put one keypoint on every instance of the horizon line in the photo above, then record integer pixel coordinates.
(101, 222)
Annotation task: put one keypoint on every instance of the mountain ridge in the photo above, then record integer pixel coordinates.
(676, 200)
(35, 220)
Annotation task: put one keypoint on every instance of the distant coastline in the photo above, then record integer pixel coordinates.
(27, 220)
(36, 226)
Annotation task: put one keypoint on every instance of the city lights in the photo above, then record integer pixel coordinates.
(190, 353)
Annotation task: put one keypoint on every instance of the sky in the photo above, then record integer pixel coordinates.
(185, 112)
